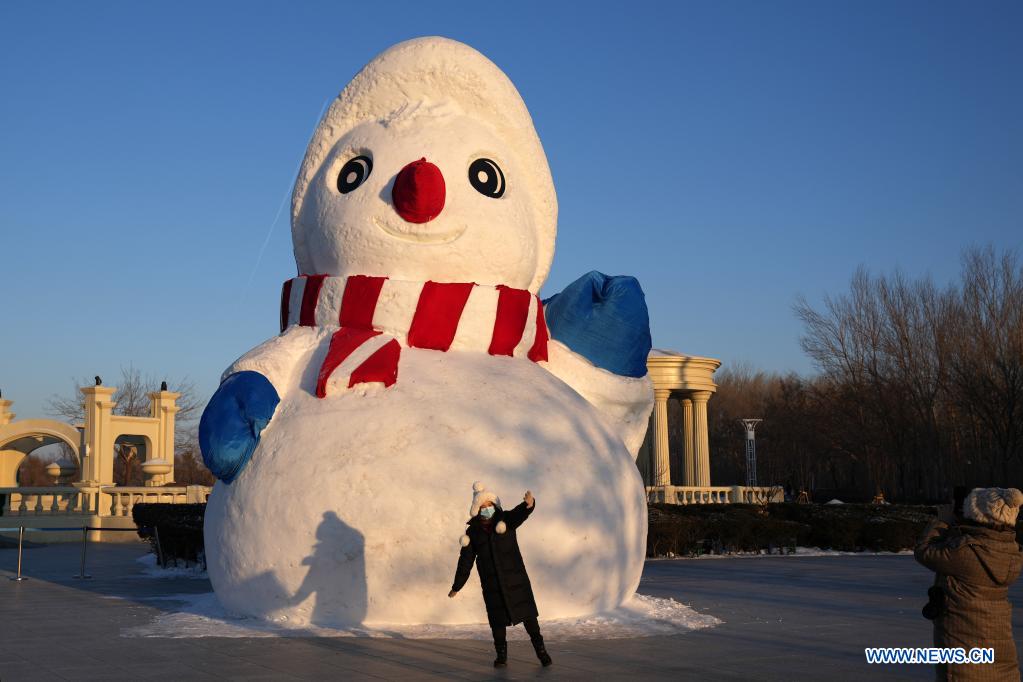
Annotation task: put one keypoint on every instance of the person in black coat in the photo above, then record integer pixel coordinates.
(490, 542)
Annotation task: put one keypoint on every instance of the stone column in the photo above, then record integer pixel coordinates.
(689, 468)
(98, 456)
(163, 406)
(701, 436)
(662, 464)
(10, 460)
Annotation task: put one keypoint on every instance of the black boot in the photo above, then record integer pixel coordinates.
(502, 654)
(541, 653)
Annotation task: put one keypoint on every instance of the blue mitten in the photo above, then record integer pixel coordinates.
(232, 421)
(605, 320)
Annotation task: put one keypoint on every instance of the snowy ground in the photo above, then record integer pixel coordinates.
(151, 569)
(800, 552)
(781, 619)
(201, 615)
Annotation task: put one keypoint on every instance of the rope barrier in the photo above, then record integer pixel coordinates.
(21, 537)
(85, 543)
(63, 529)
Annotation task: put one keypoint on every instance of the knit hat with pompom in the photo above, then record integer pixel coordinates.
(480, 496)
(993, 506)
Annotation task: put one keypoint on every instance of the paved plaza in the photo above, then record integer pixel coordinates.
(785, 618)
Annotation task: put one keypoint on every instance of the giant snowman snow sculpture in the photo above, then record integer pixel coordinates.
(414, 358)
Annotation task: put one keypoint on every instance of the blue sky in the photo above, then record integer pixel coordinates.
(730, 155)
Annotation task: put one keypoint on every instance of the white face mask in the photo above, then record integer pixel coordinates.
(487, 512)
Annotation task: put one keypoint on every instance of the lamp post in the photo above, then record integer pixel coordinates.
(751, 451)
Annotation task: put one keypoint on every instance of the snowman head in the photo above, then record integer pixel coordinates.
(427, 167)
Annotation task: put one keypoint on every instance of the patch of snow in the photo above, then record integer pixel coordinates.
(817, 551)
(834, 501)
(151, 569)
(800, 551)
(201, 615)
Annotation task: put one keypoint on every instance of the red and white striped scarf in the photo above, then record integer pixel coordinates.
(376, 316)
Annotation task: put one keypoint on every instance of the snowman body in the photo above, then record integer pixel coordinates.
(351, 508)
(343, 493)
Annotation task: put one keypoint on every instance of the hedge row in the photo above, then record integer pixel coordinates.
(179, 527)
(696, 529)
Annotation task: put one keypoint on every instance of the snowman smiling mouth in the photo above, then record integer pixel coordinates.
(418, 197)
(420, 233)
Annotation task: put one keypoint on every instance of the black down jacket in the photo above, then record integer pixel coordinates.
(506, 588)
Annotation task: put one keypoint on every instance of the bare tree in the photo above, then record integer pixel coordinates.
(922, 384)
(987, 359)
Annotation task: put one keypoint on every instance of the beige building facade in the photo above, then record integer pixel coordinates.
(84, 492)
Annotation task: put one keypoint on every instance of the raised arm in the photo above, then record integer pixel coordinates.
(600, 339)
(943, 552)
(246, 400)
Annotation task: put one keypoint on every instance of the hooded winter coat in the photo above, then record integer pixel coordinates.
(975, 566)
(506, 589)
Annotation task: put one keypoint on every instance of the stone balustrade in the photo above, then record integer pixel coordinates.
(91, 501)
(742, 494)
(101, 501)
(706, 494)
(123, 498)
(44, 501)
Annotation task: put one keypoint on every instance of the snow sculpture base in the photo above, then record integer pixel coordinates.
(351, 508)
(202, 616)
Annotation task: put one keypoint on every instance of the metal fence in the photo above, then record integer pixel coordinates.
(82, 575)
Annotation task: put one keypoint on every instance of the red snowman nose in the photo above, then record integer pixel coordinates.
(418, 192)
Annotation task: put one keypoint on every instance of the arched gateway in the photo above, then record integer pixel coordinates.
(92, 499)
(20, 439)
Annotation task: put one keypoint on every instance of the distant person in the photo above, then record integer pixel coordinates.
(490, 542)
(976, 559)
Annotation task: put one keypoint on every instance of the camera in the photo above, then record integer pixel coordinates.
(935, 603)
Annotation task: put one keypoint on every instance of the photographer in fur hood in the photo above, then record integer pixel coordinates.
(976, 559)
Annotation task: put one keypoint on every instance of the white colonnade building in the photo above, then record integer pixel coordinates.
(690, 380)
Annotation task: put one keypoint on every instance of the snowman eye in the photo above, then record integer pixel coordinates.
(486, 177)
(354, 173)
